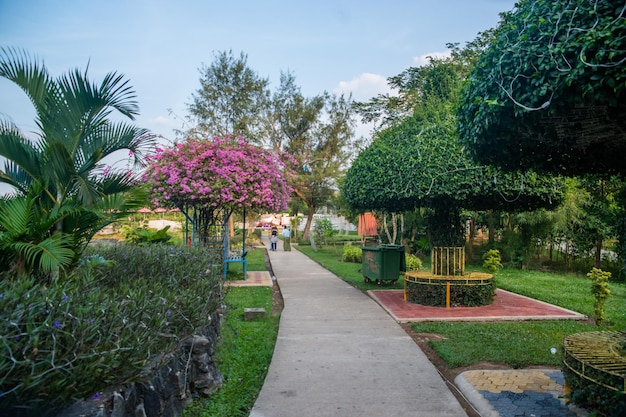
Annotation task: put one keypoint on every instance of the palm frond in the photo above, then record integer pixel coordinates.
(48, 255)
(23, 160)
(122, 136)
(14, 215)
(119, 94)
(30, 75)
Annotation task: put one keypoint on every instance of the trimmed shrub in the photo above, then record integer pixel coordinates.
(600, 291)
(413, 263)
(121, 308)
(352, 254)
(492, 261)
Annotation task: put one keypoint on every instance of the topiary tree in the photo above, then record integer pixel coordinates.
(417, 164)
(549, 92)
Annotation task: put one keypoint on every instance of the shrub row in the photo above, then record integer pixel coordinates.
(101, 325)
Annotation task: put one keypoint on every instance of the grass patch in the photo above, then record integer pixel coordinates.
(516, 344)
(571, 291)
(330, 258)
(520, 344)
(243, 355)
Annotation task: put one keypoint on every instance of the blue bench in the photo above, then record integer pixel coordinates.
(235, 257)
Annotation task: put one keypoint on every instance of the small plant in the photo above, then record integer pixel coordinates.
(600, 290)
(492, 261)
(413, 263)
(352, 254)
(324, 230)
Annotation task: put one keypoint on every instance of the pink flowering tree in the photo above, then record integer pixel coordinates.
(214, 178)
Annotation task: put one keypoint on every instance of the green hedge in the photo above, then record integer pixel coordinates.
(460, 295)
(123, 306)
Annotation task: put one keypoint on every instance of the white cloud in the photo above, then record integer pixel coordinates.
(423, 59)
(162, 120)
(364, 87)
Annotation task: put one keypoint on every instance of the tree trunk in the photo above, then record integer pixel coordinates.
(394, 219)
(491, 226)
(309, 221)
(469, 251)
(598, 256)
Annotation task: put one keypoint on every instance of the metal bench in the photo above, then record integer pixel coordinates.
(235, 257)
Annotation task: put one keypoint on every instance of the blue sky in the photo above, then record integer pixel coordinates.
(159, 45)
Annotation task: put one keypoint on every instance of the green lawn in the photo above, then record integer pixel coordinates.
(330, 258)
(243, 355)
(245, 348)
(517, 344)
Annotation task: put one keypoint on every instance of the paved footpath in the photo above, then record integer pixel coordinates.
(338, 353)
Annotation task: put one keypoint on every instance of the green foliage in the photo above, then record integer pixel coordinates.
(418, 162)
(460, 295)
(123, 305)
(492, 260)
(547, 93)
(64, 191)
(594, 397)
(231, 99)
(352, 253)
(600, 291)
(145, 235)
(413, 263)
(324, 230)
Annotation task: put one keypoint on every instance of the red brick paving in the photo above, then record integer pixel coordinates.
(506, 306)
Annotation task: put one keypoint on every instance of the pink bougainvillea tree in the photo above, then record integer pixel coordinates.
(226, 173)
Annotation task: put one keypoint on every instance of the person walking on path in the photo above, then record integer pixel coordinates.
(287, 239)
(273, 239)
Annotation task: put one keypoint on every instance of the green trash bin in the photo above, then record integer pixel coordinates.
(383, 263)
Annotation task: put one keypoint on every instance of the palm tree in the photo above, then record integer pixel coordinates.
(60, 177)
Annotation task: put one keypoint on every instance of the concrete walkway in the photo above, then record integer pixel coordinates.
(338, 353)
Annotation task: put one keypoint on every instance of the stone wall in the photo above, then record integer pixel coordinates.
(187, 372)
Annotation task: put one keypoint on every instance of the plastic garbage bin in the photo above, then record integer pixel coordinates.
(383, 263)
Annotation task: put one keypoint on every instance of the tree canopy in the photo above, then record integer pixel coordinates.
(419, 162)
(226, 173)
(318, 132)
(414, 164)
(231, 100)
(549, 92)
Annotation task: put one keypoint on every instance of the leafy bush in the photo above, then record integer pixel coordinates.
(593, 396)
(460, 295)
(413, 263)
(323, 230)
(492, 261)
(352, 254)
(600, 291)
(145, 235)
(123, 306)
